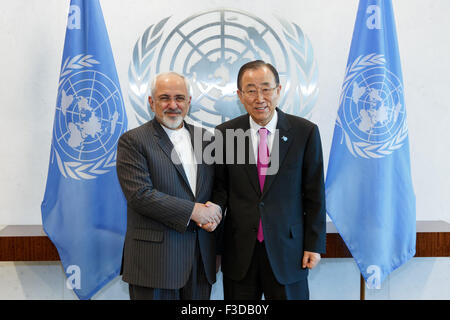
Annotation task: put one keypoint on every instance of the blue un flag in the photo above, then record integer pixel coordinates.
(369, 190)
(84, 210)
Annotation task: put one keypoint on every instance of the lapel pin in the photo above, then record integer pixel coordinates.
(284, 138)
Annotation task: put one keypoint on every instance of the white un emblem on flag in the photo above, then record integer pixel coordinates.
(87, 125)
(373, 115)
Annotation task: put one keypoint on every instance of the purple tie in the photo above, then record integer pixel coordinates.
(262, 165)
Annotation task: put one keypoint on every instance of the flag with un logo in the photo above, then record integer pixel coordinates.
(84, 210)
(369, 190)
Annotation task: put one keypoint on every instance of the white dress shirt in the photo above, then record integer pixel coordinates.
(181, 140)
(271, 127)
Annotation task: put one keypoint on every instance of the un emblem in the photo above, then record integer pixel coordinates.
(372, 113)
(209, 48)
(88, 120)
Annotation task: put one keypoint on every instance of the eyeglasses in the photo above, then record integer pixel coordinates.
(167, 99)
(253, 93)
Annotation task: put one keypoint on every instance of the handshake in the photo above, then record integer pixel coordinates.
(207, 216)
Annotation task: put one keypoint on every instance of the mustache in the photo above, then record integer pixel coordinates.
(172, 111)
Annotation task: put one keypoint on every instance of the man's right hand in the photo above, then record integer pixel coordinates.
(204, 214)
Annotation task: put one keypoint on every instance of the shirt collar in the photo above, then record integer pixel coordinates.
(271, 126)
(175, 132)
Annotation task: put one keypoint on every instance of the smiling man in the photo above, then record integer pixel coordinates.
(169, 251)
(170, 99)
(259, 91)
(274, 227)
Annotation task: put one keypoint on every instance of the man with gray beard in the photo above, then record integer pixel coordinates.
(169, 250)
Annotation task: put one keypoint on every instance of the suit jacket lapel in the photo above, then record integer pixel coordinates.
(167, 147)
(196, 134)
(280, 147)
(250, 161)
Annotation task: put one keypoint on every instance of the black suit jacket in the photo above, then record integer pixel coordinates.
(160, 240)
(291, 206)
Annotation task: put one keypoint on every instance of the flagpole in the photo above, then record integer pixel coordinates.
(362, 288)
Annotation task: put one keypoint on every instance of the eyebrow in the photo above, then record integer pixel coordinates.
(164, 95)
(254, 85)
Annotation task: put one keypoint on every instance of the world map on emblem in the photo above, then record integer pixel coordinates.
(373, 108)
(88, 121)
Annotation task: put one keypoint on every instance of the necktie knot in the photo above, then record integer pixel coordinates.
(263, 132)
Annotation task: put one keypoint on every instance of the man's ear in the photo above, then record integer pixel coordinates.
(279, 89)
(240, 95)
(151, 102)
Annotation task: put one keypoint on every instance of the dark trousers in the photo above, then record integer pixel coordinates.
(196, 288)
(261, 280)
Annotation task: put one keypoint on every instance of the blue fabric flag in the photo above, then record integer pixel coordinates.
(84, 210)
(369, 190)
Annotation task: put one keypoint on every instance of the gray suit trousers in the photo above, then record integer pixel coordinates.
(196, 288)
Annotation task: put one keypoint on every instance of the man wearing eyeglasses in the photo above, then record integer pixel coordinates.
(169, 251)
(274, 224)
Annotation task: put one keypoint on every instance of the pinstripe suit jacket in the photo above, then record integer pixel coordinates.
(160, 239)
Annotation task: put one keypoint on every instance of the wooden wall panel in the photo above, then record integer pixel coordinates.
(30, 243)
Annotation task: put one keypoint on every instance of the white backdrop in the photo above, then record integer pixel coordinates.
(31, 44)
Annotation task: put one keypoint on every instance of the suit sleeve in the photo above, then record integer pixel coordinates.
(141, 195)
(313, 189)
(220, 189)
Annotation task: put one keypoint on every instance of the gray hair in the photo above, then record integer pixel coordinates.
(153, 83)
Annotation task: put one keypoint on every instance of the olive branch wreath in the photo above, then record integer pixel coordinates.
(140, 70)
(306, 93)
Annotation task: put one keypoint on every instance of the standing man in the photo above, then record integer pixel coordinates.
(274, 229)
(166, 254)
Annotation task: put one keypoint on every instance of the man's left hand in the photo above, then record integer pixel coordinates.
(310, 259)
